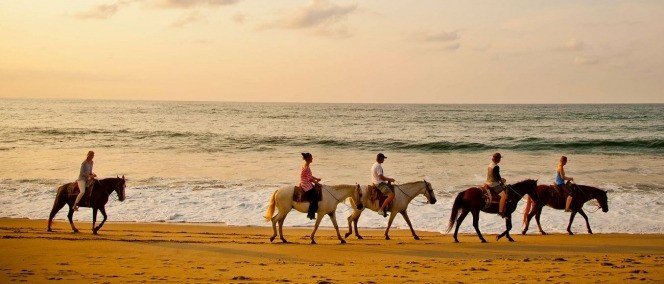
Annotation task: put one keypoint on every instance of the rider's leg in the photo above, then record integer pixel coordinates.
(81, 188)
(568, 203)
(501, 205)
(313, 203)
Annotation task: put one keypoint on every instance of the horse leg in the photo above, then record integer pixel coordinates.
(279, 218)
(103, 213)
(583, 214)
(319, 217)
(508, 227)
(352, 222)
(281, 230)
(537, 218)
(571, 219)
(70, 216)
(476, 224)
(412, 231)
(94, 219)
(333, 216)
(57, 205)
(462, 216)
(389, 223)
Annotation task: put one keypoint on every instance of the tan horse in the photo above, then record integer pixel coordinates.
(282, 199)
(403, 195)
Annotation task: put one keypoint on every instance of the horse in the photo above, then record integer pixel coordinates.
(282, 199)
(546, 195)
(472, 200)
(97, 200)
(403, 195)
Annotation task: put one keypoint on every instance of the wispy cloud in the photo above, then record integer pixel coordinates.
(185, 4)
(585, 60)
(439, 40)
(103, 11)
(572, 45)
(320, 16)
(187, 19)
(437, 36)
(106, 11)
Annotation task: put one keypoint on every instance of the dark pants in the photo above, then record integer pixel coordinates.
(312, 196)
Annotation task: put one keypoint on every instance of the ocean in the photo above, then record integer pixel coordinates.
(219, 162)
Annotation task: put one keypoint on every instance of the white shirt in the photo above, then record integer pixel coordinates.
(376, 172)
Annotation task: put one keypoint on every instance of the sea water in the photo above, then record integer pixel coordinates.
(219, 162)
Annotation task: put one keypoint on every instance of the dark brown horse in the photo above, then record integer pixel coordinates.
(546, 195)
(97, 200)
(472, 200)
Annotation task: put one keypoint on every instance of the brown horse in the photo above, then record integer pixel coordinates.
(97, 200)
(472, 200)
(546, 195)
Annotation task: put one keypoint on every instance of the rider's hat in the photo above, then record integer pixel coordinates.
(381, 156)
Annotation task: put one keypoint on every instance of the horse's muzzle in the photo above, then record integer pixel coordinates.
(433, 201)
(360, 206)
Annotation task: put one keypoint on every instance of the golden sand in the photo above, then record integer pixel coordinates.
(186, 253)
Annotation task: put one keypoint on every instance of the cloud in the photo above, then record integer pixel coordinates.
(585, 60)
(572, 45)
(185, 4)
(438, 36)
(239, 18)
(187, 19)
(320, 16)
(103, 11)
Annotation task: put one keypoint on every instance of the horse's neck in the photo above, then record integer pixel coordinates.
(410, 190)
(341, 192)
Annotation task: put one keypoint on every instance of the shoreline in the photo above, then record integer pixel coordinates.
(126, 252)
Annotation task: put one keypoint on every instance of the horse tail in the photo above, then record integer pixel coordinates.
(455, 210)
(529, 207)
(271, 206)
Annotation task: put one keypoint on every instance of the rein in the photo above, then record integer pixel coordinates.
(412, 198)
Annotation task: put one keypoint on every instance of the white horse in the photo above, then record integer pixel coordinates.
(282, 199)
(403, 195)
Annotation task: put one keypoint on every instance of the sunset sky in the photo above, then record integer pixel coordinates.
(376, 51)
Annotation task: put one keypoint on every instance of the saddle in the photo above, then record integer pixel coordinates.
(73, 190)
(375, 195)
(490, 197)
(561, 191)
(299, 195)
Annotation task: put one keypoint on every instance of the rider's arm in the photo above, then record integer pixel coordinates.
(496, 173)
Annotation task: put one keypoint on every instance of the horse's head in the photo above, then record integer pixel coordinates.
(428, 193)
(120, 188)
(358, 197)
(528, 186)
(603, 200)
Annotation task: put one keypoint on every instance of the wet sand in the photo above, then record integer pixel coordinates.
(206, 253)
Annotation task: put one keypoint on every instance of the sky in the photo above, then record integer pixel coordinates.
(333, 51)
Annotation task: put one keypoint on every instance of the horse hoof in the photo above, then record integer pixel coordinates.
(272, 239)
(75, 230)
(347, 234)
(590, 232)
(387, 238)
(360, 237)
(483, 241)
(510, 239)
(313, 242)
(94, 232)
(523, 233)
(543, 233)
(49, 230)
(343, 241)
(284, 241)
(456, 241)
(417, 238)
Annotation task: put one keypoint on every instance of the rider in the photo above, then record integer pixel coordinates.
(84, 176)
(307, 183)
(560, 181)
(496, 182)
(382, 182)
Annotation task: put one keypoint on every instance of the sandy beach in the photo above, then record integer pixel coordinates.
(201, 253)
